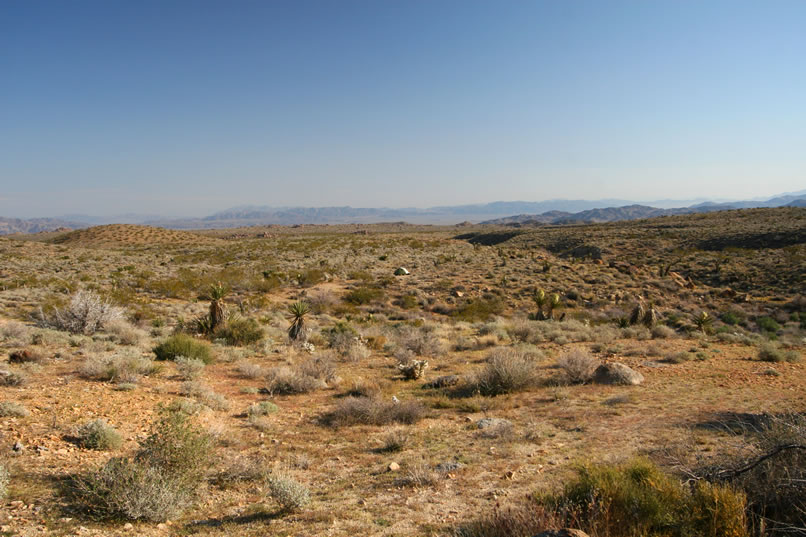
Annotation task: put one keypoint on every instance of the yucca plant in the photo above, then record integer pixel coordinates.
(297, 312)
(217, 293)
(650, 317)
(638, 313)
(703, 322)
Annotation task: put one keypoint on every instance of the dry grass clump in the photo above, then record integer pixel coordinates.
(578, 366)
(313, 374)
(122, 368)
(394, 441)
(86, 314)
(97, 434)
(158, 483)
(508, 370)
(374, 411)
(10, 409)
(418, 475)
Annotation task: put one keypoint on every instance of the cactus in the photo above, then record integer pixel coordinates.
(297, 312)
(217, 293)
(638, 313)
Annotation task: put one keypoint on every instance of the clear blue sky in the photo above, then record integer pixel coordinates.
(187, 107)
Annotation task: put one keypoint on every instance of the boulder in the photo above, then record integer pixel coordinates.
(616, 373)
(400, 271)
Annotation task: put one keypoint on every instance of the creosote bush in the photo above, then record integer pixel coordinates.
(240, 331)
(127, 368)
(158, 483)
(631, 499)
(183, 345)
(189, 368)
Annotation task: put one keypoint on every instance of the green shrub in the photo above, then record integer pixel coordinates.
(183, 345)
(480, 309)
(768, 324)
(189, 368)
(731, 317)
(363, 295)
(637, 498)
(241, 331)
(97, 434)
(769, 352)
(262, 408)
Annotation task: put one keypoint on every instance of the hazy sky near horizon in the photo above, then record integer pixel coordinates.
(187, 107)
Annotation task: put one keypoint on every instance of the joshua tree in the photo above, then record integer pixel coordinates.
(297, 312)
(638, 313)
(540, 299)
(554, 303)
(217, 293)
(650, 317)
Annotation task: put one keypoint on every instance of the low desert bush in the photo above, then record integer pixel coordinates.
(420, 341)
(578, 366)
(662, 331)
(374, 411)
(508, 370)
(249, 370)
(97, 434)
(125, 368)
(204, 395)
(306, 377)
(158, 483)
(287, 492)
(5, 479)
(12, 378)
(769, 352)
(183, 345)
(263, 408)
(10, 409)
(86, 314)
(189, 368)
(124, 332)
(678, 357)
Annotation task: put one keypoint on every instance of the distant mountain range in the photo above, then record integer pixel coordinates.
(499, 212)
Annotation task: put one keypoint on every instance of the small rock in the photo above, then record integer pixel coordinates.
(393, 467)
(18, 447)
(128, 526)
(510, 474)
